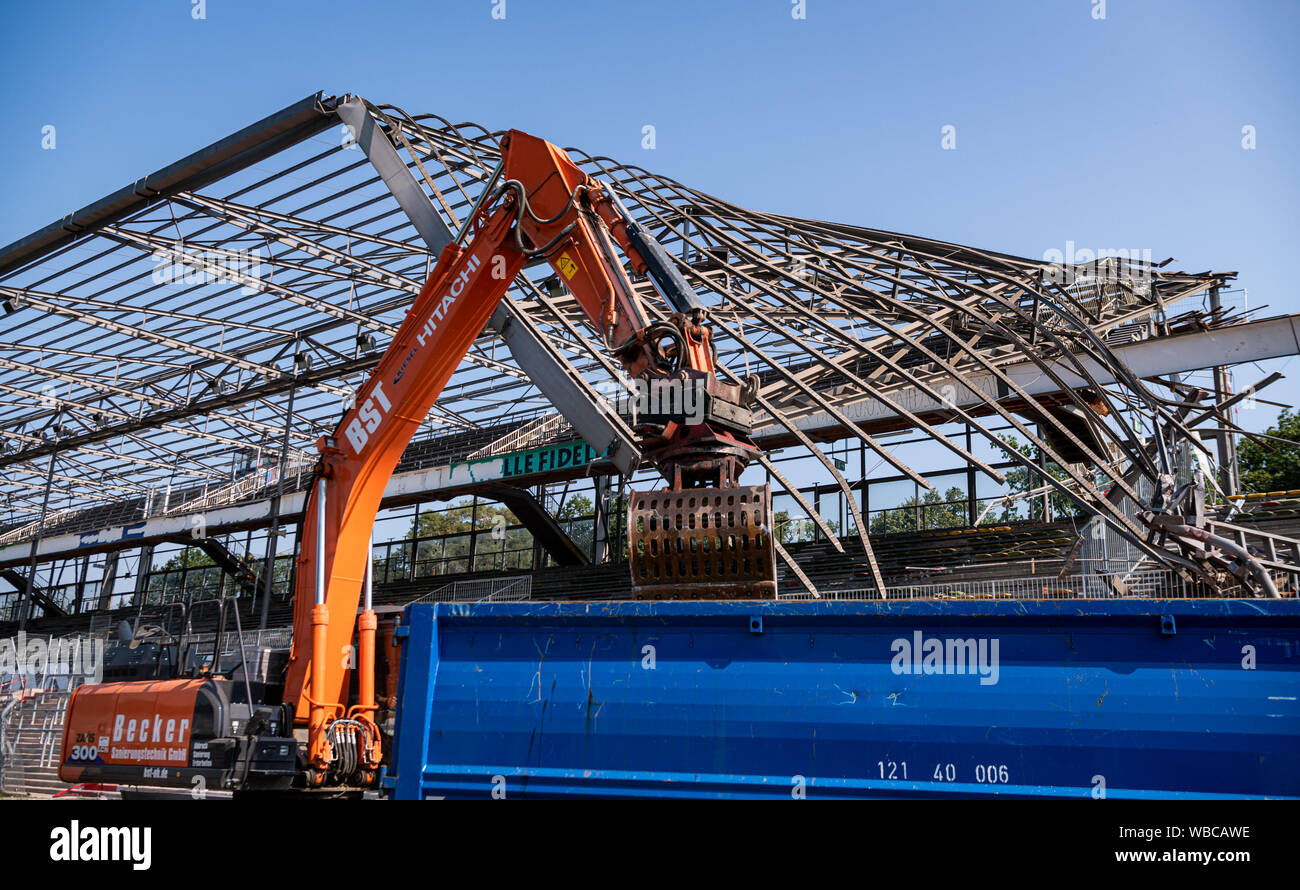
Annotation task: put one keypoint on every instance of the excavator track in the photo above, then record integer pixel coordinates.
(702, 543)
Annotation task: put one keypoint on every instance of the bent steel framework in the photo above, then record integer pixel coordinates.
(238, 299)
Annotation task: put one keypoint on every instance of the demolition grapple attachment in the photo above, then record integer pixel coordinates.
(702, 543)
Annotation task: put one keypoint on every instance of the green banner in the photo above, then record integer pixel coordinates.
(536, 460)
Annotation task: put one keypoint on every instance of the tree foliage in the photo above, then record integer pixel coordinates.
(576, 517)
(1022, 479)
(921, 512)
(1278, 469)
(578, 506)
(189, 558)
(442, 541)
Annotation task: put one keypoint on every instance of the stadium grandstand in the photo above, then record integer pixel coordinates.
(935, 420)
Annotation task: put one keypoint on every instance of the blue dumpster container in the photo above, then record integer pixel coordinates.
(1065, 698)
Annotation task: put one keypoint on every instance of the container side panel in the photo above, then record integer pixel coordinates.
(852, 699)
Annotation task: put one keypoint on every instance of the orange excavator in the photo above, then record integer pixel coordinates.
(703, 536)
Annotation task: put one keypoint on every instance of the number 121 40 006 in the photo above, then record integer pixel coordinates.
(985, 774)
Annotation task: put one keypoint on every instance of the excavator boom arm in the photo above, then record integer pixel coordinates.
(358, 460)
(546, 207)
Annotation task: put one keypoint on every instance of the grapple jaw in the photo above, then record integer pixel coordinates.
(702, 543)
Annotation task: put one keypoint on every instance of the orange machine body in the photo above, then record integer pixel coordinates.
(127, 724)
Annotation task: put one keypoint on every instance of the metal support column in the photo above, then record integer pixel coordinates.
(600, 535)
(268, 565)
(107, 582)
(539, 552)
(473, 534)
(1041, 461)
(972, 480)
(142, 573)
(81, 586)
(1229, 472)
(25, 601)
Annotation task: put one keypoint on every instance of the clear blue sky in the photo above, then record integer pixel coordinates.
(1122, 132)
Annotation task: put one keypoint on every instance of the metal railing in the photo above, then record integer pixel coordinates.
(34, 696)
(238, 490)
(486, 590)
(31, 740)
(37, 527)
(1144, 585)
(540, 430)
(271, 638)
